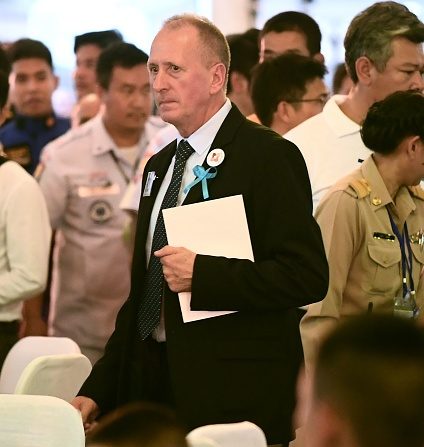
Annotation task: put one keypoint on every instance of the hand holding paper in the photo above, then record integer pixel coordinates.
(215, 227)
(178, 264)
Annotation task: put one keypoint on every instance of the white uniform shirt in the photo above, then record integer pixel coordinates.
(132, 195)
(331, 145)
(83, 181)
(24, 239)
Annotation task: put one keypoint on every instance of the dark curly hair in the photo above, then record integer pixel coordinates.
(388, 122)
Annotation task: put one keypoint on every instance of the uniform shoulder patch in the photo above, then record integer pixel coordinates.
(417, 191)
(360, 186)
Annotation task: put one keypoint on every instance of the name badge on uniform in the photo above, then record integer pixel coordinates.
(109, 189)
(151, 177)
(384, 236)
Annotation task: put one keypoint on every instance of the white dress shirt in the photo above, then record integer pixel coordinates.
(200, 141)
(331, 145)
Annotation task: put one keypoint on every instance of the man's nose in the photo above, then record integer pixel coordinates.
(158, 81)
(417, 81)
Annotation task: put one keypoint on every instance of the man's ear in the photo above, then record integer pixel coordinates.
(239, 83)
(319, 57)
(219, 73)
(414, 146)
(102, 93)
(326, 427)
(283, 112)
(364, 70)
(56, 81)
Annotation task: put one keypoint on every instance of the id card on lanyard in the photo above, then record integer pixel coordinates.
(405, 305)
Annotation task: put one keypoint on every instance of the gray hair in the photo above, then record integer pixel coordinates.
(372, 31)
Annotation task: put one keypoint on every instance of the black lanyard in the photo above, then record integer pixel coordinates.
(120, 168)
(404, 241)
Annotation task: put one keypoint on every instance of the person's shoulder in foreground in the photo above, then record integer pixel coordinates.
(367, 387)
(138, 424)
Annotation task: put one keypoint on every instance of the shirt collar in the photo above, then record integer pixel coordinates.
(36, 122)
(201, 140)
(102, 141)
(340, 123)
(380, 196)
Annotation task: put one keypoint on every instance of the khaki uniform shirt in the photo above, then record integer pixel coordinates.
(363, 268)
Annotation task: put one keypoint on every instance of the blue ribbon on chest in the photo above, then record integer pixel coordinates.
(202, 175)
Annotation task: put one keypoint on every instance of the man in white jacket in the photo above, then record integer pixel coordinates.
(24, 241)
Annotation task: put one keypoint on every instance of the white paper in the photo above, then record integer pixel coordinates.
(215, 227)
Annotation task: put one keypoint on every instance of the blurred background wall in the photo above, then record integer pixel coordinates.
(57, 22)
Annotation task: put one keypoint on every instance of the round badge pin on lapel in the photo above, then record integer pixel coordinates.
(215, 157)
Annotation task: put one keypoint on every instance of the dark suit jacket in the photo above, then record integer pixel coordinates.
(241, 366)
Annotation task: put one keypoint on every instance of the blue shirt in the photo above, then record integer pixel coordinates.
(23, 138)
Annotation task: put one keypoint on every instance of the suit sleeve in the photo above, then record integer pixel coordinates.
(103, 381)
(290, 267)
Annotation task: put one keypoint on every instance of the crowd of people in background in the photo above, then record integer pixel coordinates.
(331, 183)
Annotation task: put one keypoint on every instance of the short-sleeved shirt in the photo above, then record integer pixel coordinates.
(83, 179)
(331, 145)
(364, 255)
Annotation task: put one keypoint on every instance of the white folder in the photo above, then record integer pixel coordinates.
(214, 227)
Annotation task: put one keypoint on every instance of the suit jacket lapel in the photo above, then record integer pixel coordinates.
(222, 140)
(159, 165)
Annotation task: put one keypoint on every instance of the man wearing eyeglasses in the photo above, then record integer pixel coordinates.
(287, 90)
(383, 54)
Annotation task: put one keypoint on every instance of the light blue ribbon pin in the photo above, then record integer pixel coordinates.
(202, 175)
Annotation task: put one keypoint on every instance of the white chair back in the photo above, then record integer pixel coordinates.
(54, 375)
(39, 421)
(246, 434)
(26, 350)
(201, 442)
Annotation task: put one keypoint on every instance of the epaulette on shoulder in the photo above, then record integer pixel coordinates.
(417, 191)
(72, 135)
(361, 187)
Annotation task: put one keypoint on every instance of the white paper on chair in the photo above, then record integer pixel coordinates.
(214, 227)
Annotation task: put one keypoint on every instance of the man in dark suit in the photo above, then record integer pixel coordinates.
(241, 366)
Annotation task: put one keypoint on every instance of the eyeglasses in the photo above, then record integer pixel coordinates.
(322, 99)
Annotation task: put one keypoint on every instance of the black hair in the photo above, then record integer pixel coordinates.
(391, 120)
(296, 21)
(144, 424)
(244, 50)
(340, 73)
(283, 78)
(118, 54)
(29, 49)
(100, 38)
(370, 369)
(4, 88)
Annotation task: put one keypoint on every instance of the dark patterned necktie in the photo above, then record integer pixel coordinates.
(149, 310)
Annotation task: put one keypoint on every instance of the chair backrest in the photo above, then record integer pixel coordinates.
(58, 375)
(201, 442)
(246, 434)
(26, 350)
(39, 421)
